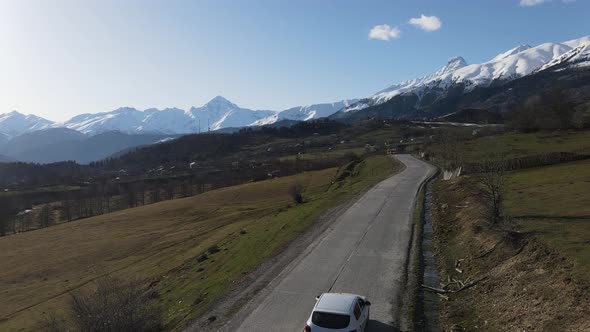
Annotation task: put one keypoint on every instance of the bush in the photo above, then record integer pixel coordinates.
(114, 305)
(552, 110)
(296, 192)
(213, 249)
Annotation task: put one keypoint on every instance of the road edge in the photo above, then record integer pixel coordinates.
(407, 309)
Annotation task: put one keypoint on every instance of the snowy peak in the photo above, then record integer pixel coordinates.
(220, 103)
(516, 50)
(221, 113)
(453, 64)
(13, 124)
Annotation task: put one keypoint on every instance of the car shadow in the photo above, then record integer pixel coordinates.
(377, 326)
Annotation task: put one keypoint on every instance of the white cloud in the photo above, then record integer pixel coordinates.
(384, 32)
(530, 3)
(426, 23)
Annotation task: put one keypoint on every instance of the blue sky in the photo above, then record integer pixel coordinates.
(62, 58)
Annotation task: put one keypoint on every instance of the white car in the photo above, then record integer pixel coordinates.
(339, 312)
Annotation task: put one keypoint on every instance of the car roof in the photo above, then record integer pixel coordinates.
(336, 302)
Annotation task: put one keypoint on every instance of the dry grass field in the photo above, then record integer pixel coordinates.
(166, 245)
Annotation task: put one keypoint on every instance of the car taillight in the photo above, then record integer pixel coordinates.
(307, 328)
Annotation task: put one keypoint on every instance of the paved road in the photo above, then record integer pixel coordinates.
(363, 252)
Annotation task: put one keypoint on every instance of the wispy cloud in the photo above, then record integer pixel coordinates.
(384, 32)
(530, 3)
(426, 23)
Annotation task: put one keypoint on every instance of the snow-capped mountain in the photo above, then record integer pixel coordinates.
(125, 119)
(514, 63)
(168, 121)
(217, 114)
(306, 113)
(14, 123)
(221, 113)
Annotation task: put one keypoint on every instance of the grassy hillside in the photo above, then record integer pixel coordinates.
(520, 145)
(171, 245)
(553, 203)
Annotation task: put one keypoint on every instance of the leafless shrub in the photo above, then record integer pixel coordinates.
(114, 305)
(296, 192)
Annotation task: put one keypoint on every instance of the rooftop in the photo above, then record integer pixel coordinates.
(335, 302)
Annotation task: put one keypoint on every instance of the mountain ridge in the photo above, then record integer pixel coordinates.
(455, 78)
(517, 62)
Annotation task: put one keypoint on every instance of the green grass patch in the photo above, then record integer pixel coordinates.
(327, 154)
(513, 145)
(555, 191)
(554, 203)
(520, 145)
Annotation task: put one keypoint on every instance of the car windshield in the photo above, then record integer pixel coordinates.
(330, 320)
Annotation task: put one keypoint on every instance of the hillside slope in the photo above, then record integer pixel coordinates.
(162, 243)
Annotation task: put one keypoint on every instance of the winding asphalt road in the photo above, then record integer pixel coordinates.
(364, 252)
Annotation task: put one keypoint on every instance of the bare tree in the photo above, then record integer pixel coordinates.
(490, 185)
(450, 142)
(46, 216)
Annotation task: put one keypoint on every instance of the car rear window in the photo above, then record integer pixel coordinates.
(329, 320)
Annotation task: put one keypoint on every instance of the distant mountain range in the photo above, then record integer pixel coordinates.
(89, 137)
(494, 86)
(217, 114)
